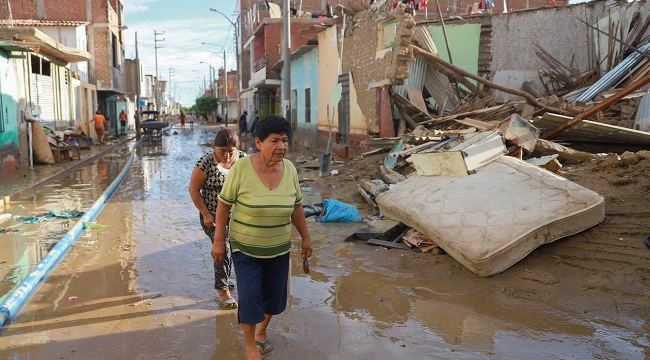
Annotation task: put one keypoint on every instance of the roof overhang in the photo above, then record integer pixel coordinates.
(268, 84)
(35, 23)
(296, 54)
(36, 41)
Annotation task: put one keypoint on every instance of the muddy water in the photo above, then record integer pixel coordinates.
(359, 302)
(25, 244)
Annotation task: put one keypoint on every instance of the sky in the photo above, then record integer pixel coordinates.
(187, 24)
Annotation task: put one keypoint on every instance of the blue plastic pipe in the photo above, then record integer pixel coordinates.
(12, 305)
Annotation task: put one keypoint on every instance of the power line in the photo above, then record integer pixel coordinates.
(143, 16)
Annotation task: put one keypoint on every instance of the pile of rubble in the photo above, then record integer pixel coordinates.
(462, 135)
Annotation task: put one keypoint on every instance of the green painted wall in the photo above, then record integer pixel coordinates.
(463, 42)
(8, 106)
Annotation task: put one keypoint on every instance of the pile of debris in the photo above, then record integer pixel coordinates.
(453, 137)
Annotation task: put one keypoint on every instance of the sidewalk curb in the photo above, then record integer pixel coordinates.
(4, 201)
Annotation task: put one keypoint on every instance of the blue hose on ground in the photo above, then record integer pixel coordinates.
(12, 305)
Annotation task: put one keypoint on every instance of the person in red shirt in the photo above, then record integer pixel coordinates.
(100, 122)
(123, 121)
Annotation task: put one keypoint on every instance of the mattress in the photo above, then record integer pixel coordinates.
(490, 220)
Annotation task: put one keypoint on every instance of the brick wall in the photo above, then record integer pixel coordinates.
(233, 90)
(273, 40)
(245, 68)
(103, 57)
(258, 48)
(100, 11)
(72, 10)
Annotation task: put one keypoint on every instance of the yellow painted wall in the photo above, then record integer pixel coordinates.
(358, 123)
(328, 57)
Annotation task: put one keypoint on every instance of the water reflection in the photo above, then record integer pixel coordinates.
(22, 250)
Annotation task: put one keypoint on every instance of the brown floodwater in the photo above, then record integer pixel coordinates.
(358, 302)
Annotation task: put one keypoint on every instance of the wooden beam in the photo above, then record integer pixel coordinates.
(599, 107)
(437, 62)
(466, 114)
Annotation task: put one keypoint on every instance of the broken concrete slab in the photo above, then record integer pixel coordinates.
(548, 162)
(566, 154)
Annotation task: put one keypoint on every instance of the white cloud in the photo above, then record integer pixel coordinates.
(137, 6)
(182, 50)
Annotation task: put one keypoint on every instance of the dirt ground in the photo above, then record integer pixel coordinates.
(602, 273)
(586, 296)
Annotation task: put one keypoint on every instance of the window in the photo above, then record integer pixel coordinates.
(387, 33)
(307, 105)
(46, 68)
(114, 49)
(36, 64)
(41, 66)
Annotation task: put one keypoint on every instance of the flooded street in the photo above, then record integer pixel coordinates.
(358, 302)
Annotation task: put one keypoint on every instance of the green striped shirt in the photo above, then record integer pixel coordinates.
(260, 224)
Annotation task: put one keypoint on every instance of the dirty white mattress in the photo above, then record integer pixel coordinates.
(490, 220)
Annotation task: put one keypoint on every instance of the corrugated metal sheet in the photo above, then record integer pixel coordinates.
(617, 74)
(642, 119)
(417, 71)
(591, 131)
(436, 83)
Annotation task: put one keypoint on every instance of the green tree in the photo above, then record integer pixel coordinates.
(205, 104)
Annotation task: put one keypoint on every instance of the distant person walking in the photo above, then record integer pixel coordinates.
(122, 121)
(182, 119)
(206, 183)
(100, 126)
(191, 120)
(243, 125)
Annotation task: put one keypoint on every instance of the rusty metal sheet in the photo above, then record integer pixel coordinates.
(415, 97)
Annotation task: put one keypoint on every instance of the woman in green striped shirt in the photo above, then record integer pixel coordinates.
(264, 194)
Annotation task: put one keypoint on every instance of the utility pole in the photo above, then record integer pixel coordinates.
(225, 87)
(137, 83)
(169, 87)
(156, 47)
(286, 76)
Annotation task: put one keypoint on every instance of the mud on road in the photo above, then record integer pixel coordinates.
(358, 302)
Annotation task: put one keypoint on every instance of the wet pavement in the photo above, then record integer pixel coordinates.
(358, 302)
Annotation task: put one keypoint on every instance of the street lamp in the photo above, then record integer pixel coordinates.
(234, 24)
(209, 75)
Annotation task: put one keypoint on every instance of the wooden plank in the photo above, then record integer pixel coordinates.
(414, 149)
(367, 197)
(598, 107)
(591, 131)
(375, 152)
(388, 244)
(462, 115)
(403, 103)
(416, 97)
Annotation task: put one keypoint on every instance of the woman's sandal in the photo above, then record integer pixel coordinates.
(230, 303)
(264, 347)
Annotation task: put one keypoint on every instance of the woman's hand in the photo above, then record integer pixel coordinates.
(306, 248)
(218, 252)
(208, 220)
